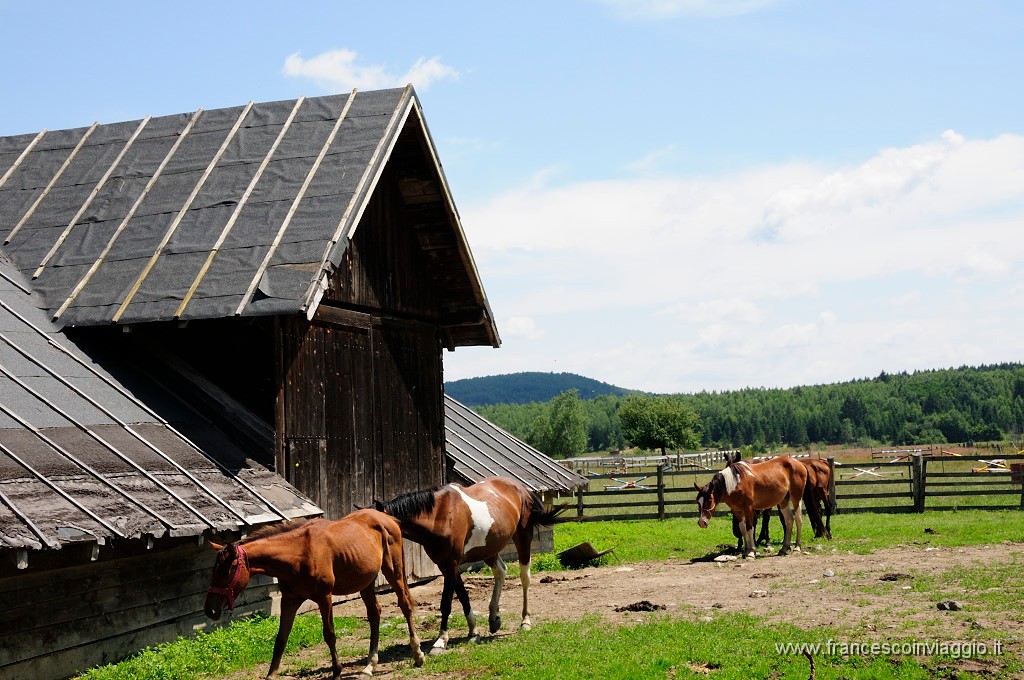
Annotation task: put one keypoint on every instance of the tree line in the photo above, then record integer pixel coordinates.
(968, 404)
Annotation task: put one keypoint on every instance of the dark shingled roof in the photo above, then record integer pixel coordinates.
(82, 458)
(239, 211)
(477, 448)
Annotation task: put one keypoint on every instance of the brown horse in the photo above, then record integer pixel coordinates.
(313, 560)
(817, 501)
(456, 525)
(746, 488)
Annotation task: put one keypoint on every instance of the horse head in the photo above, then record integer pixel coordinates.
(707, 501)
(231, 569)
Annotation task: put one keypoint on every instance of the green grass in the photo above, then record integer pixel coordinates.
(243, 644)
(732, 646)
(648, 540)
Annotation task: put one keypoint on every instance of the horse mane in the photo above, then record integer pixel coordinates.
(274, 530)
(411, 504)
(738, 469)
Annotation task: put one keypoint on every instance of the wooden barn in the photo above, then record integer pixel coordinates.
(211, 321)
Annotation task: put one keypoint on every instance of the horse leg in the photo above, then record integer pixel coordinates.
(497, 565)
(787, 525)
(369, 595)
(441, 643)
(737, 533)
(763, 538)
(327, 614)
(289, 606)
(822, 498)
(798, 516)
(747, 528)
(393, 569)
(463, 595)
(523, 539)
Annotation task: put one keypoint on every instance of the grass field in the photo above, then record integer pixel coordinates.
(732, 645)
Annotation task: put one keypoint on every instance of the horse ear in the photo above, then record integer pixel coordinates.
(378, 506)
(216, 546)
(696, 486)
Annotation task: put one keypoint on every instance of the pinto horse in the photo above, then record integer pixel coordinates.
(313, 560)
(746, 488)
(457, 524)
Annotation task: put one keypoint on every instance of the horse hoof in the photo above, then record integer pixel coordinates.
(526, 626)
(750, 556)
(418, 660)
(495, 624)
(475, 639)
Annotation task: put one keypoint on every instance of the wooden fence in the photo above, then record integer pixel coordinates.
(914, 483)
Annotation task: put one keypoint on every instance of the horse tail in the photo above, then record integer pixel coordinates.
(539, 516)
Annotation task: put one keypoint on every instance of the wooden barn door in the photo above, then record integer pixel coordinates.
(359, 408)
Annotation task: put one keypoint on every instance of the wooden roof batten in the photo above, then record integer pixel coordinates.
(131, 213)
(172, 228)
(131, 431)
(238, 209)
(92, 196)
(295, 204)
(157, 419)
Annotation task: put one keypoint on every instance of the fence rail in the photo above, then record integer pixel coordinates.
(916, 483)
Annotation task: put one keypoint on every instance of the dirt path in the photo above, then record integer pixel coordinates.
(870, 593)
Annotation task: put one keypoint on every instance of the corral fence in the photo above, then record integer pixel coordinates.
(658, 487)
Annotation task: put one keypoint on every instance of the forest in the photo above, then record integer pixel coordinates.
(967, 404)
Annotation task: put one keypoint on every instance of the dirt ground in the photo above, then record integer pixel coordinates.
(870, 593)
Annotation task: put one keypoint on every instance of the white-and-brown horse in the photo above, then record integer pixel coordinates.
(457, 524)
(313, 560)
(746, 488)
(818, 502)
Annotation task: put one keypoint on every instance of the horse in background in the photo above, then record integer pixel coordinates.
(313, 560)
(746, 488)
(457, 524)
(817, 500)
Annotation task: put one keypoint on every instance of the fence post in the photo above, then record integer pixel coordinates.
(579, 501)
(917, 479)
(661, 491)
(832, 484)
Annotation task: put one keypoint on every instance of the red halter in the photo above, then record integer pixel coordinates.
(229, 592)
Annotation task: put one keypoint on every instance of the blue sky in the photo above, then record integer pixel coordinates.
(669, 195)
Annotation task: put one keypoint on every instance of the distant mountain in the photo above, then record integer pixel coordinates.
(523, 388)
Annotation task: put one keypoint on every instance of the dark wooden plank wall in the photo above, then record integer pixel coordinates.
(361, 384)
(57, 622)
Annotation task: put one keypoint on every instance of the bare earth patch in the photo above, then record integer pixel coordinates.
(861, 597)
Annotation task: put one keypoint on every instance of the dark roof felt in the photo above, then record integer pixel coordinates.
(239, 211)
(477, 448)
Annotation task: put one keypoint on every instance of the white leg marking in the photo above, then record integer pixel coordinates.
(524, 578)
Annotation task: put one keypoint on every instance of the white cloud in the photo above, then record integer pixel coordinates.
(683, 273)
(652, 161)
(338, 70)
(666, 9)
(521, 327)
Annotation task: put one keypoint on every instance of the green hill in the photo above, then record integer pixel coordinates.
(524, 388)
